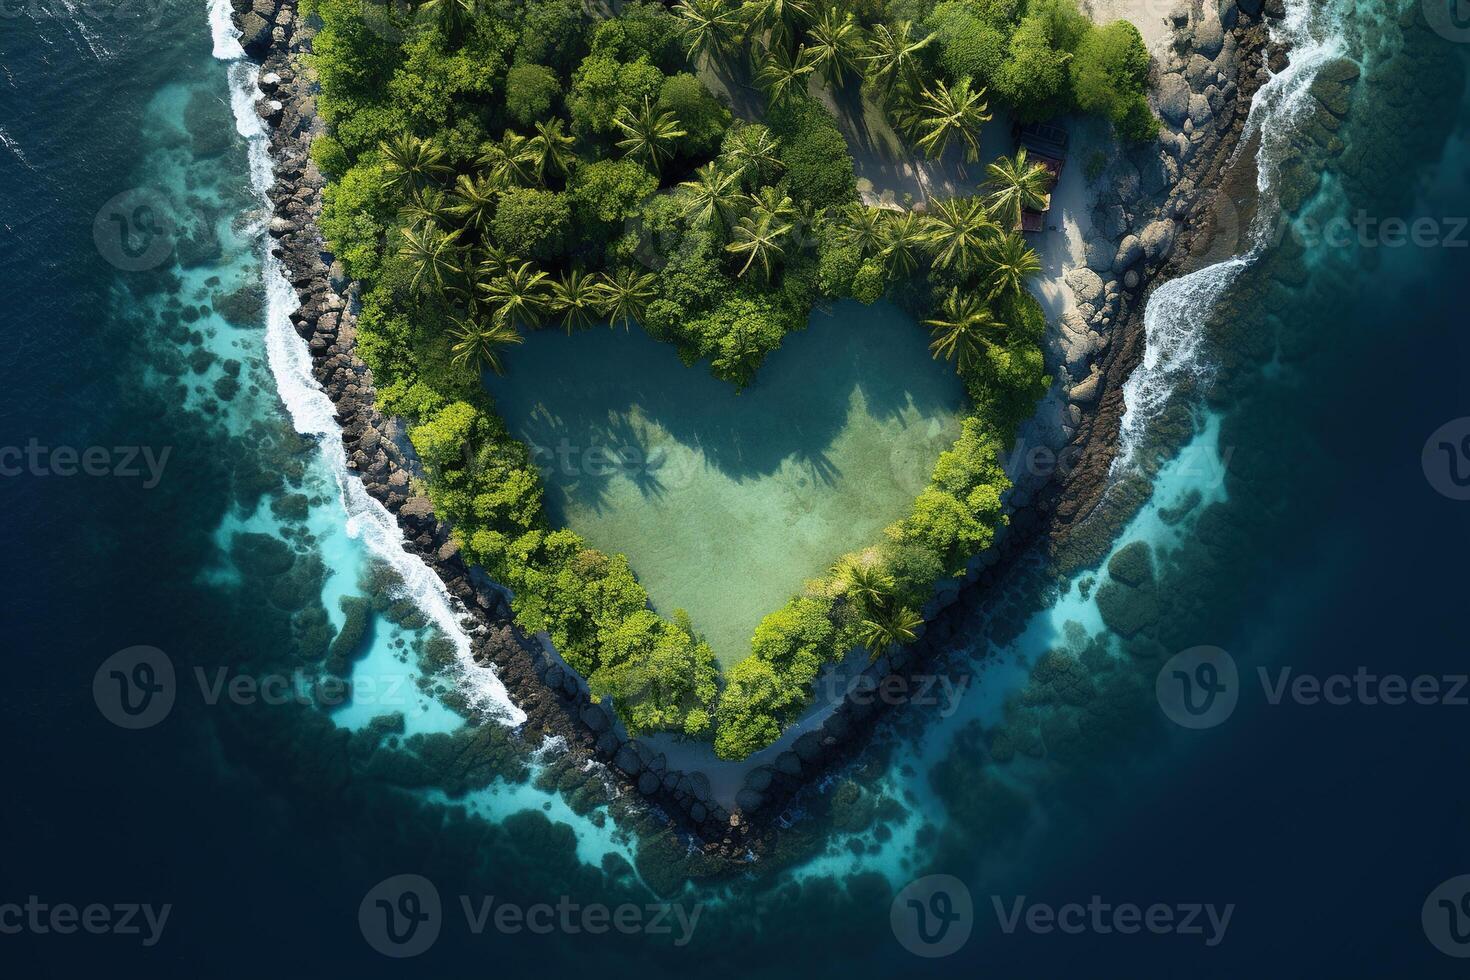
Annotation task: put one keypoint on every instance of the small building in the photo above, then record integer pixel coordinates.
(1046, 144)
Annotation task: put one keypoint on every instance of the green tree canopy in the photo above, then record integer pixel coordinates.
(530, 91)
(533, 223)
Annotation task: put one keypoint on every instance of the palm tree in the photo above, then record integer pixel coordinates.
(433, 256)
(574, 296)
(550, 149)
(960, 330)
(837, 45)
(891, 58)
(624, 295)
(889, 625)
(773, 203)
(474, 201)
(784, 74)
(1016, 184)
(510, 162)
(411, 163)
(903, 237)
(739, 358)
(425, 206)
(647, 133)
(864, 578)
(958, 229)
(862, 226)
(753, 151)
(1011, 264)
(946, 112)
(712, 196)
(712, 28)
(518, 295)
(478, 343)
(451, 15)
(759, 240)
(494, 262)
(783, 18)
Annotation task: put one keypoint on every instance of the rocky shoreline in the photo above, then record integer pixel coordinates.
(1155, 214)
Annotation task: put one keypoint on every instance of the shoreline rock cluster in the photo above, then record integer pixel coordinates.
(1156, 192)
(552, 696)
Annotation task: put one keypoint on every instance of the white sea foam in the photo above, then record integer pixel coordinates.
(1175, 316)
(312, 412)
(10, 144)
(222, 29)
(92, 41)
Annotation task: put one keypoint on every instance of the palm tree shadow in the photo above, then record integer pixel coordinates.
(821, 467)
(630, 445)
(603, 405)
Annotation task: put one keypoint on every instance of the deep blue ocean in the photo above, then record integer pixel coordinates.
(1327, 372)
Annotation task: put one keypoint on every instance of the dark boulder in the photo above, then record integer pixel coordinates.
(255, 34)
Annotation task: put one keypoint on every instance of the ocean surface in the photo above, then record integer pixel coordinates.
(1293, 462)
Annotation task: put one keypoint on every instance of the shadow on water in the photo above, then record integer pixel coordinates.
(588, 404)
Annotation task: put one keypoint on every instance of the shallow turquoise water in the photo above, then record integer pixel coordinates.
(726, 503)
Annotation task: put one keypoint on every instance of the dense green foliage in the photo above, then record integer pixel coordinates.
(501, 167)
(1110, 76)
(1043, 58)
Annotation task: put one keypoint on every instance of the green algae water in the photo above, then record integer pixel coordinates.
(726, 502)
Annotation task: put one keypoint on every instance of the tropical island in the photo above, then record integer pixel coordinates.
(497, 169)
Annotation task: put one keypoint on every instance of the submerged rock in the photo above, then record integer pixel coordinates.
(1127, 610)
(1133, 564)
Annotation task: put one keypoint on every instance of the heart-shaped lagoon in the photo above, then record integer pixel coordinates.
(726, 503)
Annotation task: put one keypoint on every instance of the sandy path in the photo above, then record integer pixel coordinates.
(1149, 16)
